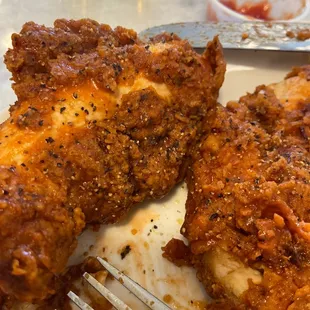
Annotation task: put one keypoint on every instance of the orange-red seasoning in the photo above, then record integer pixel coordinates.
(259, 10)
(134, 231)
(167, 299)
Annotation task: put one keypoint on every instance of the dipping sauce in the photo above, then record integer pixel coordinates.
(259, 10)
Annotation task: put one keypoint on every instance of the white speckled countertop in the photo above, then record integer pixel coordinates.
(136, 14)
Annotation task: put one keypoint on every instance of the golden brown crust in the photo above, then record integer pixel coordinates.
(303, 35)
(249, 195)
(303, 72)
(69, 53)
(177, 252)
(102, 122)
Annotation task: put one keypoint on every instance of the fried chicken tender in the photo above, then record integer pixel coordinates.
(248, 208)
(103, 121)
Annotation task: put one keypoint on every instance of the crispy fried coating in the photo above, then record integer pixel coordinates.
(248, 207)
(103, 121)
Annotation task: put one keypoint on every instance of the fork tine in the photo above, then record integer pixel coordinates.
(79, 302)
(115, 301)
(146, 297)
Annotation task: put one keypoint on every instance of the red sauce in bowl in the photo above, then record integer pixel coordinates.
(258, 10)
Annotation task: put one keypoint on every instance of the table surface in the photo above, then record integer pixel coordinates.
(136, 14)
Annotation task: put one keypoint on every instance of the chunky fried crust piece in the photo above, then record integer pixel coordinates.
(248, 207)
(102, 122)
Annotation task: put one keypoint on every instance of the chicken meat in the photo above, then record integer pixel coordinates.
(102, 122)
(248, 207)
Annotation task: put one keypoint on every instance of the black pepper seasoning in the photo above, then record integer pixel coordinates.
(125, 251)
(49, 140)
(213, 216)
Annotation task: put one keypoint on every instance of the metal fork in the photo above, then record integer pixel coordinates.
(146, 297)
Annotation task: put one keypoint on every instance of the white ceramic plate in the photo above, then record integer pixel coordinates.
(144, 263)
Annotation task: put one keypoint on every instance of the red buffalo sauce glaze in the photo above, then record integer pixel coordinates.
(257, 10)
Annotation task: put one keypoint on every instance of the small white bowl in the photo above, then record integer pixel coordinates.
(217, 11)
